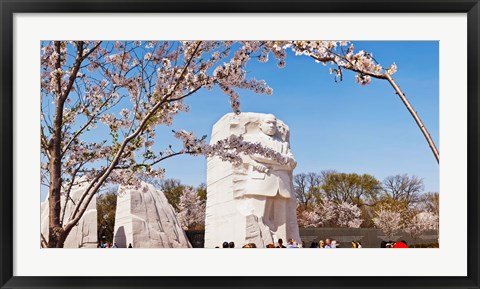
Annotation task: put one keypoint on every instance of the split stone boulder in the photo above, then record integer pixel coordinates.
(145, 219)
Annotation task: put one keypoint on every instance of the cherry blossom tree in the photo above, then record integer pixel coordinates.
(318, 215)
(330, 213)
(388, 221)
(308, 219)
(421, 223)
(102, 102)
(191, 209)
(120, 92)
(348, 215)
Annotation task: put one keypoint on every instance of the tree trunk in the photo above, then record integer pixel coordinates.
(54, 227)
(417, 119)
(55, 230)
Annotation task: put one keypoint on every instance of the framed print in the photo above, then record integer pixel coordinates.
(170, 131)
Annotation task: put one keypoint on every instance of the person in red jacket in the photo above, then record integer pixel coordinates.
(400, 244)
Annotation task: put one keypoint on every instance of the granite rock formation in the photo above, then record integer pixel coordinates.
(145, 219)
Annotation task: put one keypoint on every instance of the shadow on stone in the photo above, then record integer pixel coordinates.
(121, 238)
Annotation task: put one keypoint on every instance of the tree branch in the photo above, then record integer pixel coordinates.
(415, 116)
(397, 89)
(100, 179)
(79, 132)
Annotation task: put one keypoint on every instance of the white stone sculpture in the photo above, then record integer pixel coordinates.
(253, 202)
(84, 234)
(145, 219)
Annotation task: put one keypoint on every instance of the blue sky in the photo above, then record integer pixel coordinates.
(333, 126)
(340, 126)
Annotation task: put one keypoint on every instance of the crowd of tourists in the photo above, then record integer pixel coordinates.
(104, 245)
(327, 244)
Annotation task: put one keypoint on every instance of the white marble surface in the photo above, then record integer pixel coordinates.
(84, 234)
(145, 219)
(244, 203)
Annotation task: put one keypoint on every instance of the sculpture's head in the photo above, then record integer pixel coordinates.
(269, 124)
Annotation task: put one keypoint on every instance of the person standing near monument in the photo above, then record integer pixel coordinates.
(280, 244)
(270, 186)
(328, 243)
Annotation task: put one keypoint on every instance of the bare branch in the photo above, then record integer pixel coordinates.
(415, 116)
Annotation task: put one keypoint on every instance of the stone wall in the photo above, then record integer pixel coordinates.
(370, 238)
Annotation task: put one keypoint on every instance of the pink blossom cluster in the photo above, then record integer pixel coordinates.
(120, 60)
(348, 215)
(229, 149)
(389, 221)
(338, 53)
(232, 75)
(326, 212)
(421, 223)
(309, 219)
(191, 210)
(115, 123)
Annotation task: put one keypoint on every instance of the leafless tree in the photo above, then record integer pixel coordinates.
(307, 188)
(403, 188)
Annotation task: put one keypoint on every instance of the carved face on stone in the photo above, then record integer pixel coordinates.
(269, 125)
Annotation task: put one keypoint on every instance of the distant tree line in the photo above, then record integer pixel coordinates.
(334, 199)
(325, 199)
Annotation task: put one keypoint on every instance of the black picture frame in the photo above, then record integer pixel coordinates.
(9, 7)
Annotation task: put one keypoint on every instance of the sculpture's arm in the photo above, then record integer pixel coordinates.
(263, 163)
(264, 159)
(257, 163)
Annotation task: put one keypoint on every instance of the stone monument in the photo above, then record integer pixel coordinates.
(145, 219)
(84, 234)
(253, 202)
